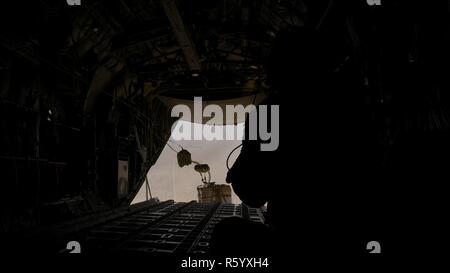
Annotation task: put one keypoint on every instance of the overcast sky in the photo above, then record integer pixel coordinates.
(169, 181)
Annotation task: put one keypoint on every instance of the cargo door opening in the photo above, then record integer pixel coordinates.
(168, 181)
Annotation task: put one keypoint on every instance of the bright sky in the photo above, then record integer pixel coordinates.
(169, 181)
